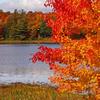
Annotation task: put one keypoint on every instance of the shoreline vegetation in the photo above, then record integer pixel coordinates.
(36, 41)
(21, 91)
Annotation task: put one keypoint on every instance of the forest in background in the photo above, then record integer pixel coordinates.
(21, 25)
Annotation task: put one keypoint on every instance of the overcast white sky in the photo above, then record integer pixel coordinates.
(34, 5)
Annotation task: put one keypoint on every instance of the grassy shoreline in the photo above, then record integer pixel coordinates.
(20, 91)
(37, 41)
(27, 42)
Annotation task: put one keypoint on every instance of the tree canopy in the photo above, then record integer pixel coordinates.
(20, 25)
(76, 63)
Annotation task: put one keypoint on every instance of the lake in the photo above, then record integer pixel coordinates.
(16, 66)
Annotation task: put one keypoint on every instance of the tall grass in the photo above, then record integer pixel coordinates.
(35, 92)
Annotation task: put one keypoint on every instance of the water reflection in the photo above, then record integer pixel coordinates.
(15, 65)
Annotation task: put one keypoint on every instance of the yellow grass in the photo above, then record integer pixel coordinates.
(21, 91)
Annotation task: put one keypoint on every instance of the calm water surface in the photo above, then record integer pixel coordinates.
(15, 65)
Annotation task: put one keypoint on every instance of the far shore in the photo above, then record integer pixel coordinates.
(27, 42)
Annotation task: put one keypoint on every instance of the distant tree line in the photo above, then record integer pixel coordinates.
(20, 25)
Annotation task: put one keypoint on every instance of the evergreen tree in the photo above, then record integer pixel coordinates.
(16, 27)
(11, 26)
(22, 26)
(45, 31)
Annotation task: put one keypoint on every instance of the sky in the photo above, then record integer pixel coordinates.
(27, 5)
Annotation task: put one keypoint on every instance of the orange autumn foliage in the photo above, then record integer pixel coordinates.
(76, 63)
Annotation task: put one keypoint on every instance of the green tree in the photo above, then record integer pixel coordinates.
(22, 26)
(16, 27)
(45, 31)
(11, 26)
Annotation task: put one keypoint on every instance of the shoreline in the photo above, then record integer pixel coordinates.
(21, 91)
(27, 42)
(32, 84)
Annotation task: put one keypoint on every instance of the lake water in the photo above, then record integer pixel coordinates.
(15, 65)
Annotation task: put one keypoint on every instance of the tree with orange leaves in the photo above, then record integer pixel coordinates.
(76, 63)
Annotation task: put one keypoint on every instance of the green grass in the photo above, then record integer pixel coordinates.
(20, 91)
(35, 41)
